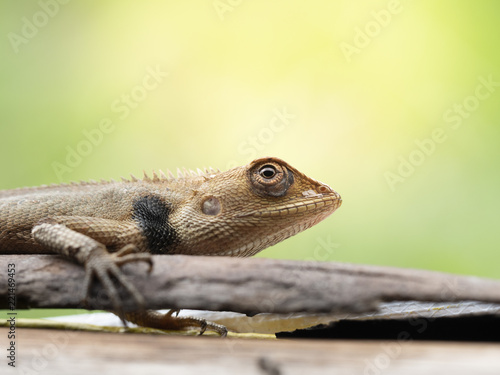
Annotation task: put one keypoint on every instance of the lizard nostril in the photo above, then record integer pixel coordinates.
(324, 189)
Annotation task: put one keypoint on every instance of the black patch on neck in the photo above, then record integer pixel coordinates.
(151, 215)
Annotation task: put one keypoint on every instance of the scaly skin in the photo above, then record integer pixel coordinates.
(105, 224)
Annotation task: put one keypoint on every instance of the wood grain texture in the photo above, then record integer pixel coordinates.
(61, 352)
(247, 285)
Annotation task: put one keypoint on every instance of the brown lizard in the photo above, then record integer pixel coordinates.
(103, 225)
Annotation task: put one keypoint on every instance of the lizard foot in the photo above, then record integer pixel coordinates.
(190, 321)
(105, 266)
(155, 319)
(99, 263)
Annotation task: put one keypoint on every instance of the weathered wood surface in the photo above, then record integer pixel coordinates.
(54, 352)
(248, 285)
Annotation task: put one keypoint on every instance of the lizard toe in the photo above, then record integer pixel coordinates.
(131, 253)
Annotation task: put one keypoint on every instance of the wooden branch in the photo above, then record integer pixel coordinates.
(248, 285)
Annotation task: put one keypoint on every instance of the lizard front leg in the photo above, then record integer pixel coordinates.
(85, 239)
(56, 235)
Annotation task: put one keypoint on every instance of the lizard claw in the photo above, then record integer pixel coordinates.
(173, 311)
(105, 266)
(219, 328)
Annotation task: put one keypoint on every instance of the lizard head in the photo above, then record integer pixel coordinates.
(246, 209)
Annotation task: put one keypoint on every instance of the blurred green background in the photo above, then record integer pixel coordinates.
(395, 104)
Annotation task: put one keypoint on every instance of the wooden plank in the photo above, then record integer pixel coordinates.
(62, 352)
(247, 285)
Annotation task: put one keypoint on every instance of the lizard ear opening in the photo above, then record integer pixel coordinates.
(271, 178)
(211, 206)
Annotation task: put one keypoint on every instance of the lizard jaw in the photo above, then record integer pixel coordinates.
(311, 204)
(312, 209)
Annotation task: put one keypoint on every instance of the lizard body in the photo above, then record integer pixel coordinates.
(103, 225)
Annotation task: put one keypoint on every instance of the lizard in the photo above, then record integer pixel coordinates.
(103, 225)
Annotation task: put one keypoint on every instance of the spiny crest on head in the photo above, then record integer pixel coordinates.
(155, 177)
(186, 173)
(179, 173)
(169, 176)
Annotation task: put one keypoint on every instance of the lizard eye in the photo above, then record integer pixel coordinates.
(270, 178)
(267, 171)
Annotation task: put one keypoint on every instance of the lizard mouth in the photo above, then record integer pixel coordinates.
(311, 209)
(310, 203)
